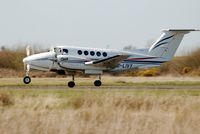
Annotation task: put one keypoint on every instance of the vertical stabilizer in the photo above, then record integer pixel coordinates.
(168, 43)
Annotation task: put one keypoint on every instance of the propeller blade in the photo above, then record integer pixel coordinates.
(54, 60)
(28, 50)
(28, 67)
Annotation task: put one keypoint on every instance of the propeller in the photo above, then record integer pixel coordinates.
(53, 59)
(28, 50)
(28, 53)
(58, 59)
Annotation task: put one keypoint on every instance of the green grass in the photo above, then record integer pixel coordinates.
(124, 85)
(66, 93)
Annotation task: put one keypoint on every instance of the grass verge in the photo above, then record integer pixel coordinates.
(100, 111)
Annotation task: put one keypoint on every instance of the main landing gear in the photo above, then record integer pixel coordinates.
(71, 84)
(97, 83)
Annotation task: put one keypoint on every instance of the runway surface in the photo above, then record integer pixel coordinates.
(102, 87)
(130, 83)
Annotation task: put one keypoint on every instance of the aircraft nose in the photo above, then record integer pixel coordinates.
(41, 59)
(26, 60)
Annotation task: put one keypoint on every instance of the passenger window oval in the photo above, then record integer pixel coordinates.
(98, 53)
(105, 54)
(92, 53)
(86, 52)
(79, 52)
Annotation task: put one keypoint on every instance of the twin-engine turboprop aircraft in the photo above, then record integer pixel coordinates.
(95, 61)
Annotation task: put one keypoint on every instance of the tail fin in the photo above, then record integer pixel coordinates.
(168, 43)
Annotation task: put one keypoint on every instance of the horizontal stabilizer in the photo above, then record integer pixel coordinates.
(180, 30)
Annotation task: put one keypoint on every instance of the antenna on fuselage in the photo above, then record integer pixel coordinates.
(108, 46)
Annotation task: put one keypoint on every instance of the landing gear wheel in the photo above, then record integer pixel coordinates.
(71, 84)
(97, 83)
(27, 80)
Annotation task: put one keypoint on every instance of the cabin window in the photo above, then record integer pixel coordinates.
(98, 53)
(86, 52)
(104, 54)
(79, 52)
(65, 50)
(92, 53)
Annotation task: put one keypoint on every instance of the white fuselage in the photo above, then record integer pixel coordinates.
(74, 58)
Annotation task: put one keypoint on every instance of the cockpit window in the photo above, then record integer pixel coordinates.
(65, 50)
(57, 50)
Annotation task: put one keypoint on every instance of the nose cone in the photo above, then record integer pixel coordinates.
(40, 61)
(26, 60)
(37, 57)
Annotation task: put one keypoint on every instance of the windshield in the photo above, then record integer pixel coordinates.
(57, 50)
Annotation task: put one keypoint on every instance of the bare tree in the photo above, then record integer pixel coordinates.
(3, 48)
(129, 48)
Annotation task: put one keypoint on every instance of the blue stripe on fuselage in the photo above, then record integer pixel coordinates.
(143, 62)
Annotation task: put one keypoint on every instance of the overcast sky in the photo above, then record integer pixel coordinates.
(96, 23)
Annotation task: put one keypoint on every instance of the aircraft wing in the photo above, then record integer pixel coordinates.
(109, 62)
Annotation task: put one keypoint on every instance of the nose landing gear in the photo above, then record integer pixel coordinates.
(27, 80)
